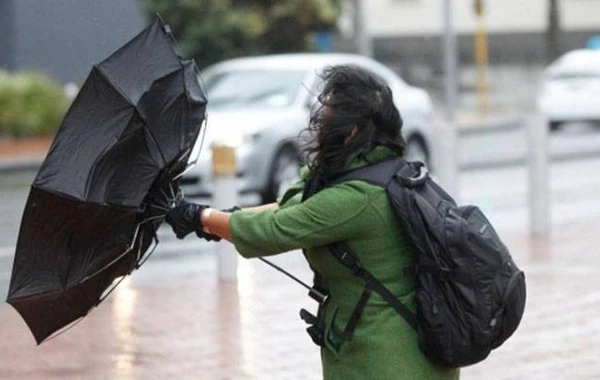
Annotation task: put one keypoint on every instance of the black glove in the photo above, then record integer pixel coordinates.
(184, 218)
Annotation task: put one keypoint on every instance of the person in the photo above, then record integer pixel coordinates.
(356, 124)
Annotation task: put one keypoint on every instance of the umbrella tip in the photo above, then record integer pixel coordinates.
(166, 27)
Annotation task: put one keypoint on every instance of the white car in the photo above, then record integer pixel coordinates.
(570, 89)
(259, 105)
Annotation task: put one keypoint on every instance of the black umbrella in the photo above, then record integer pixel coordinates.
(107, 181)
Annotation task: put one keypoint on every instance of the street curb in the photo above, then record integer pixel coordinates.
(21, 165)
(524, 161)
(33, 165)
(498, 125)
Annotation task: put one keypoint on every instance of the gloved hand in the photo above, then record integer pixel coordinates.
(184, 218)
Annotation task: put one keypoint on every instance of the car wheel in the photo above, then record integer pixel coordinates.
(554, 125)
(284, 172)
(416, 150)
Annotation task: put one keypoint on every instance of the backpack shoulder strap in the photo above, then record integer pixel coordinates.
(343, 253)
(378, 174)
(409, 174)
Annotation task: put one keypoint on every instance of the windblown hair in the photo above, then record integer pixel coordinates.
(351, 97)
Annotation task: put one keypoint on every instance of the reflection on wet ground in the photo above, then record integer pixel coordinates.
(173, 318)
(176, 320)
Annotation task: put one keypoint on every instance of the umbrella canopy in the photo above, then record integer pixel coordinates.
(107, 181)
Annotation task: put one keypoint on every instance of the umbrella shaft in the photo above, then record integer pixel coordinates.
(312, 290)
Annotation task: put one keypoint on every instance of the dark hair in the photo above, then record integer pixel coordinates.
(351, 97)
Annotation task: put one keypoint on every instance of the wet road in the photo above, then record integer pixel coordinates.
(172, 318)
(501, 192)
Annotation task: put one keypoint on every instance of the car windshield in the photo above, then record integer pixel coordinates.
(241, 88)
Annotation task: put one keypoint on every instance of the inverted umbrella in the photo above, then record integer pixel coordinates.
(107, 181)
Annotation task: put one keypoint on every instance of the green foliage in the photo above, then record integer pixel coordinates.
(30, 105)
(214, 30)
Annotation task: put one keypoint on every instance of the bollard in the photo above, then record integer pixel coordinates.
(225, 196)
(539, 189)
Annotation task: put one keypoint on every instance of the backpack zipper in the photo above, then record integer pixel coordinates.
(507, 291)
(465, 213)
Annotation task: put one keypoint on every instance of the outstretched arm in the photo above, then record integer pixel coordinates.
(268, 206)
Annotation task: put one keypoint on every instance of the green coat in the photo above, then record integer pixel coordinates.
(383, 346)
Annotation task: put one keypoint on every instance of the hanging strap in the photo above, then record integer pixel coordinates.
(356, 313)
(342, 252)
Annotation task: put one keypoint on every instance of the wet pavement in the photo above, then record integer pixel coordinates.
(181, 326)
(174, 319)
(183, 323)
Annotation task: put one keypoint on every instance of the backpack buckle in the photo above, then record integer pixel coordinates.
(351, 262)
(316, 330)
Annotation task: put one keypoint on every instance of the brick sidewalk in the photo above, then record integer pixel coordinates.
(198, 328)
(23, 153)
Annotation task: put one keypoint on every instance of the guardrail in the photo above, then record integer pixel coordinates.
(448, 168)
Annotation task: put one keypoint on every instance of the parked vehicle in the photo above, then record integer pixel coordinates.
(259, 105)
(570, 89)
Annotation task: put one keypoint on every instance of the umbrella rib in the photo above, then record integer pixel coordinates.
(65, 329)
(195, 160)
(152, 218)
(115, 259)
(155, 238)
(158, 207)
(173, 195)
(188, 165)
(117, 88)
(149, 132)
(124, 252)
(166, 195)
(128, 100)
(111, 290)
(139, 250)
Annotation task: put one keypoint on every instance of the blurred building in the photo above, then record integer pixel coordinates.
(407, 35)
(516, 28)
(64, 38)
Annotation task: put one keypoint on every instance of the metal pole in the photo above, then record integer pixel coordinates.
(481, 58)
(447, 163)
(450, 61)
(362, 41)
(553, 46)
(539, 189)
(225, 196)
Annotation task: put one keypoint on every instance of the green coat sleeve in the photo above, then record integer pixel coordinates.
(331, 215)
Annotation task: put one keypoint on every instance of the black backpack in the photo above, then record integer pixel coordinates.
(470, 294)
